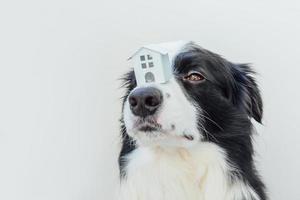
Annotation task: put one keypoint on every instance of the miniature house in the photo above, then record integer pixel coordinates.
(151, 64)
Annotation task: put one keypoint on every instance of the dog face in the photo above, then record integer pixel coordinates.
(202, 102)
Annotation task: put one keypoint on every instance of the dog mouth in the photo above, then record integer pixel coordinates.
(147, 124)
(188, 137)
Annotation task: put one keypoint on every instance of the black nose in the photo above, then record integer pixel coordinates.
(145, 101)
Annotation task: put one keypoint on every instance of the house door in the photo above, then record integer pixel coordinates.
(149, 77)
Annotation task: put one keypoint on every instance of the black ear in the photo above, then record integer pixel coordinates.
(246, 93)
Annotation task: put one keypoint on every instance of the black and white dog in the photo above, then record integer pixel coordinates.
(190, 139)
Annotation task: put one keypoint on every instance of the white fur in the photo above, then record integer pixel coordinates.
(196, 173)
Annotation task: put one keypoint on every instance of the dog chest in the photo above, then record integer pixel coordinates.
(173, 175)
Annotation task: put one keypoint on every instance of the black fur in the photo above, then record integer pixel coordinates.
(229, 97)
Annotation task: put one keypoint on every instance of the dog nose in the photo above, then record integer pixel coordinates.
(145, 101)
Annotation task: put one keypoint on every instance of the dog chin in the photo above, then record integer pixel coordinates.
(161, 138)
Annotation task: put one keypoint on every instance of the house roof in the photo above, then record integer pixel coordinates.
(151, 47)
(162, 48)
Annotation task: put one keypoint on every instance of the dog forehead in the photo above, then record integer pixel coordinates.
(174, 48)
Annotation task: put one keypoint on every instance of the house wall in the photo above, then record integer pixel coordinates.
(168, 70)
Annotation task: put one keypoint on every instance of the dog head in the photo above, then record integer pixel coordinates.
(208, 99)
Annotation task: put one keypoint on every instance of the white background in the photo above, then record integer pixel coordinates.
(60, 97)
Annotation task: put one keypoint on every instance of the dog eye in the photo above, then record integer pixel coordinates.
(194, 77)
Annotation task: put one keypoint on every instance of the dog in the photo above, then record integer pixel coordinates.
(191, 138)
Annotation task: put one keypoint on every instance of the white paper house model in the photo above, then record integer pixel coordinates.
(151, 64)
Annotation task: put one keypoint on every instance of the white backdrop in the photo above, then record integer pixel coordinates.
(59, 97)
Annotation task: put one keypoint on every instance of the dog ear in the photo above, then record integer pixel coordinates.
(246, 92)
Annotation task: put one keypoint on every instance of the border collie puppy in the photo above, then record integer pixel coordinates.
(191, 138)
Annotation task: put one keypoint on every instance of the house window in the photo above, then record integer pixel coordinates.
(144, 65)
(149, 77)
(146, 61)
(150, 64)
(142, 58)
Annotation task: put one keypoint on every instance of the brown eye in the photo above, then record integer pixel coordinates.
(194, 77)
